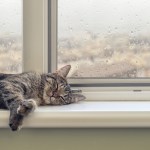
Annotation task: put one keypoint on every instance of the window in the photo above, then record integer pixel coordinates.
(106, 42)
(104, 38)
(22, 36)
(36, 57)
(11, 36)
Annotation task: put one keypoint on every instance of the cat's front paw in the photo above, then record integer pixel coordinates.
(26, 106)
(15, 122)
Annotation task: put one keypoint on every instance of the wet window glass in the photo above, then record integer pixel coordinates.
(11, 36)
(104, 38)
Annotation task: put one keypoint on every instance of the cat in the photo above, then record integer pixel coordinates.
(22, 93)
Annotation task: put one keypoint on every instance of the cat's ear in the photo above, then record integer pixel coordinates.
(64, 71)
(77, 97)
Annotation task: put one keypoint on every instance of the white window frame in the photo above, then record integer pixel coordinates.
(35, 35)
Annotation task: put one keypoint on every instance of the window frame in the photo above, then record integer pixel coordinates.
(35, 35)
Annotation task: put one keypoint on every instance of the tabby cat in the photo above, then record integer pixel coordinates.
(21, 93)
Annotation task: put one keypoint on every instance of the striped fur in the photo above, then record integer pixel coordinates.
(3, 76)
(21, 93)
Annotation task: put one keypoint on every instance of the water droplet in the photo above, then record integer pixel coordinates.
(9, 43)
(70, 28)
(132, 32)
(109, 31)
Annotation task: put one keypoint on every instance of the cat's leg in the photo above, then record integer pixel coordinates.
(11, 98)
(18, 110)
(15, 119)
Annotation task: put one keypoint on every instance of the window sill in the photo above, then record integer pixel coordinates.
(87, 115)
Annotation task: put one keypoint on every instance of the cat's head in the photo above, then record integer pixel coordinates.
(59, 90)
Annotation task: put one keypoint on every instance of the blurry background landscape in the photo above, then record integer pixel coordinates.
(10, 54)
(113, 56)
(104, 38)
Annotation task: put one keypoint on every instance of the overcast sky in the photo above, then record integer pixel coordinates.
(10, 17)
(77, 16)
(103, 16)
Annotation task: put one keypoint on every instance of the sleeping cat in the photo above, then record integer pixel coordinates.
(21, 93)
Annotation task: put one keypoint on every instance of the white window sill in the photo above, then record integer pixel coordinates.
(87, 114)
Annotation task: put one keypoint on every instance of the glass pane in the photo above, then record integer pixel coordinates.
(11, 36)
(104, 38)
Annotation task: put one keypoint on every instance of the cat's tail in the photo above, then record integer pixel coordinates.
(3, 75)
